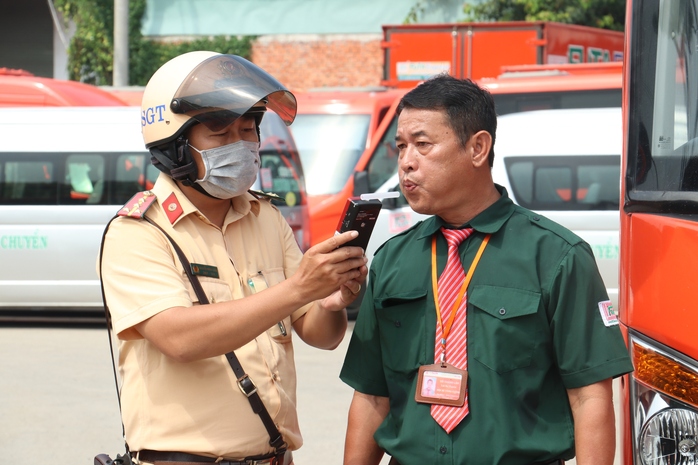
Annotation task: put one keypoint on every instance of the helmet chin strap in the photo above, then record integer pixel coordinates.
(198, 187)
(175, 160)
(187, 173)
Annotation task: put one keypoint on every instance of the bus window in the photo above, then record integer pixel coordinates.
(383, 163)
(516, 102)
(84, 178)
(565, 182)
(129, 178)
(71, 179)
(28, 182)
(280, 170)
(664, 125)
(330, 146)
(151, 175)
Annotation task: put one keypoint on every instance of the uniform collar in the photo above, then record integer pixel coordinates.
(246, 203)
(176, 205)
(488, 222)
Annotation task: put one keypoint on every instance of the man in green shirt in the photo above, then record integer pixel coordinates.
(543, 345)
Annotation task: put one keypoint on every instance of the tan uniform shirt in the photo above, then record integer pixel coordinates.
(197, 407)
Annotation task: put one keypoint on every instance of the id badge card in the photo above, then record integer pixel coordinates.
(441, 384)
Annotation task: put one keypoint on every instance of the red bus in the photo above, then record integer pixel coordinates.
(332, 130)
(658, 297)
(19, 88)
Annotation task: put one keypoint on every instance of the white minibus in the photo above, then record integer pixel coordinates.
(64, 172)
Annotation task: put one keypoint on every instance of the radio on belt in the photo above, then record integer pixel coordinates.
(360, 214)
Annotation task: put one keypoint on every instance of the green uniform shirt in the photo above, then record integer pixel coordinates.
(534, 328)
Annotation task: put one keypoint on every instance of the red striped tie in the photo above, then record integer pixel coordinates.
(449, 284)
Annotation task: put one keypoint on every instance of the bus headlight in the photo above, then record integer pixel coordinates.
(664, 404)
(669, 437)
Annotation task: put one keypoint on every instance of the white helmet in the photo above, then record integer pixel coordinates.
(208, 88)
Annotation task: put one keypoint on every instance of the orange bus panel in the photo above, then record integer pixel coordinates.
(660, 293)
(413, 53)
(493, 48)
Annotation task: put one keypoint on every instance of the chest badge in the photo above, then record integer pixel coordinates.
(209, 271)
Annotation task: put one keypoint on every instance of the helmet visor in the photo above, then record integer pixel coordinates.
(224, 87)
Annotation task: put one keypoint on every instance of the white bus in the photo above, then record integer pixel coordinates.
(64, 172)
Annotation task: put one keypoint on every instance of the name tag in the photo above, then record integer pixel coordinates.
(441, 384)
(204, 270)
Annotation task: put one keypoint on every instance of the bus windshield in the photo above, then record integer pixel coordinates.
(662, 173)
(329, 147)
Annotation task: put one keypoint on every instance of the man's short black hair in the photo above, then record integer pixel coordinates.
(469, 108)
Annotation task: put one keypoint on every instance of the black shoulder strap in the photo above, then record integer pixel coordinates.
(107, 316)
(245, 383)
(198, 290)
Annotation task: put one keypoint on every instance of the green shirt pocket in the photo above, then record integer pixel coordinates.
(401, 323)
(503, 326)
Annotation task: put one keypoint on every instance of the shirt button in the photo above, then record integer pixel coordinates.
(397, 323)
(443, 449)
(502, 311)
(536, 218)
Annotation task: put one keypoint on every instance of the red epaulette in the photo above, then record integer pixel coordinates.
(138, 205)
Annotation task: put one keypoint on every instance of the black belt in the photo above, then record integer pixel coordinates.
(181, 458)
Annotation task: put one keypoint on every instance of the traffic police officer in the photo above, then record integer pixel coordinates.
(179, 398)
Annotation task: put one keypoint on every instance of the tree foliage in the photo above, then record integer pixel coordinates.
(607, 14)
(91, 50)
(419, 8)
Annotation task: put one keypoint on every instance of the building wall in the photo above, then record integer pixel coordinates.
(303, 62)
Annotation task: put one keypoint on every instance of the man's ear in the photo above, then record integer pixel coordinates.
(481, 145)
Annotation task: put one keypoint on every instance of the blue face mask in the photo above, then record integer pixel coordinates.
(230, 169)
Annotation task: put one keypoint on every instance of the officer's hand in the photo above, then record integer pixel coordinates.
(346, 294)
(327, 266)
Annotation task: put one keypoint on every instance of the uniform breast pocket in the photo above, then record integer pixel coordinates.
(280, 332)
(401, 323)
(265, 279)
(504, 327)
(216, 290)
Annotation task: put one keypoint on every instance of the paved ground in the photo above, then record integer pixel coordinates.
(58, 402)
